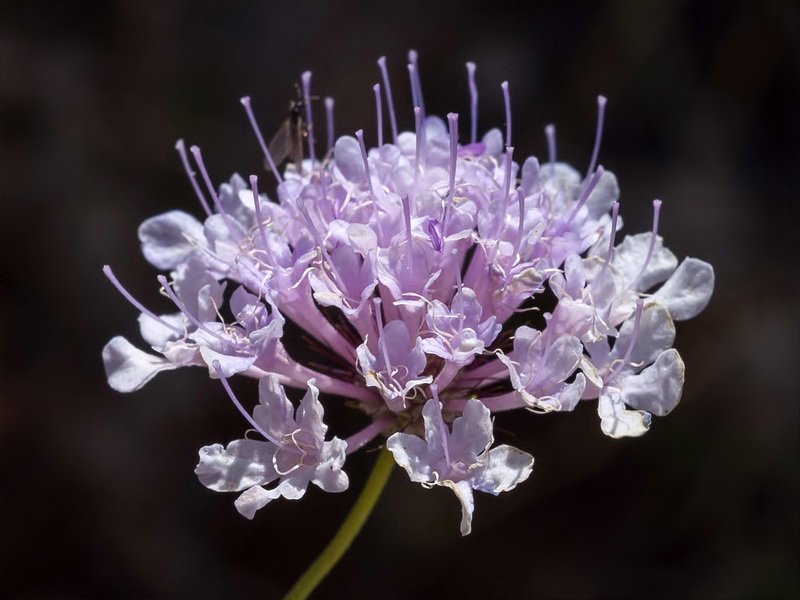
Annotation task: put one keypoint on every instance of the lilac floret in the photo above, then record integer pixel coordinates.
(296, 455)
(461, 459)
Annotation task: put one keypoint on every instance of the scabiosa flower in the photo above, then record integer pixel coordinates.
(403, 266)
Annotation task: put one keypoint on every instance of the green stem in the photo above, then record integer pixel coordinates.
(348, 531)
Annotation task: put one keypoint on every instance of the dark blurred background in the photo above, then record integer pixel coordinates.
(98, 498)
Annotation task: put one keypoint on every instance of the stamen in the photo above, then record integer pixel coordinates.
(409, 238)
(382, 339)
(656, 212)
(634, 334)
(414, 98)
(389, 100)
(507, 175)
(179, 146)
(506, 191)
(251, 420)
(182, 307)
(413, 69)
(440, 423)
(435, 233)
(585, 195)
(473, 102)
(127, 295)
(329, 121)
(420, 134)
(305, 78)
(249, 110)
(460, 294)
(377, 89)
(507, 100)
(520, 225)
(611, 239)
(452, 121)
(360, 136)
(198, 157)
(257, 204)
(601, 109)
(301, 206)
(550, 132)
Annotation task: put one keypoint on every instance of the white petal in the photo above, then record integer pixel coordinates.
(658, 388)
(630, 256)
(328, 474)
(253, 499)
(464, 494)
(656, 334)
(472, 433)
(570, 395)
(616, 421)
(411, 453)
(688, 290)
(506, 466)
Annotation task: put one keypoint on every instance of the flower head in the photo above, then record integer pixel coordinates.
(403, 265)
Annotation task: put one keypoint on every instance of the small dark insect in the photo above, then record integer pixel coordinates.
(288, 140)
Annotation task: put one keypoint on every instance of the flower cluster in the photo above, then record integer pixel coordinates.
(438, 282)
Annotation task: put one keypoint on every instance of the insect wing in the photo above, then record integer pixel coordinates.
(281, 144)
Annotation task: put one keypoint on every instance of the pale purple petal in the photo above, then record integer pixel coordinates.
(240, 466)
(129, 368)
(170, 239)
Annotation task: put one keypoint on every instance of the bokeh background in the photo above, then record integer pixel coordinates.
(98, 498)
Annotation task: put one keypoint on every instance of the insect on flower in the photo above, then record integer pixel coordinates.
(288, 140)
